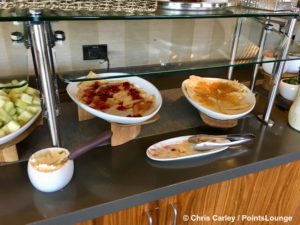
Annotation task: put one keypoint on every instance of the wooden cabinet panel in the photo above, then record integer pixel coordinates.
(132, 216)
(271, 194)
(274, 192)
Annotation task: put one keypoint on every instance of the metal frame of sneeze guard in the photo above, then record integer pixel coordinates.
(278, 68)
(277, 72)
(41, 47)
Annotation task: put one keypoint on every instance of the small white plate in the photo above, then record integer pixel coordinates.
(160, 145)
(15, 134)
(149, 88)
(249, 98)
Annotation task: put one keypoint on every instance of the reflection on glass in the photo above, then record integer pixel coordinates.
(90, 5)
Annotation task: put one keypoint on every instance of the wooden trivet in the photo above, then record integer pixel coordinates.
(122, 133)
(84, 115)
(8, 151)
(218, 123)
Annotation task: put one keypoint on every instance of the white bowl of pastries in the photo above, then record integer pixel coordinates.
(129, 100)
(219, 98)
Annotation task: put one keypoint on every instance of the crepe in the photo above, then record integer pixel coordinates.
(222, 96)
(116, 97)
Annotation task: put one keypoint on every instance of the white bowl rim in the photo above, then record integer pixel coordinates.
(285, 83)
(115, 118)
(51, 171)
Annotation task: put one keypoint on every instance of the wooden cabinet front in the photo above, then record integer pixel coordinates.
(260, 198)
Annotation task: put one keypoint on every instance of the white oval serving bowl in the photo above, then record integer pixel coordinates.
(149, 88)
(249, 98)
(288, 91)
(50, 181)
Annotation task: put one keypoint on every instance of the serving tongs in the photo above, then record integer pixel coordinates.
(211, 141)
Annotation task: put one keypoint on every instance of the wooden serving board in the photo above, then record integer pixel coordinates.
(218, 123)
(8, 151)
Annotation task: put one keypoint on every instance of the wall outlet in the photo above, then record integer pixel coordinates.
(93, 52)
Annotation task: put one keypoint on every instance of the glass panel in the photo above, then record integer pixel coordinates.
(154, 47)
(162, 14)
(22, 14)
(15, 57)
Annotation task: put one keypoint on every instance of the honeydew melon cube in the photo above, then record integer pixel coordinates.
(5, 129)
(13, 126)
(14, 96)
(19, 110)
(4, 116)
(5, 98)
(2, 133)
(3, 93)
(33, 109)
(21, 104)
(15, 82)
(36, 101)
(26, 98)
(9, 108)
(31, 91)
(15, 117)
(25, 116)
(2, 102)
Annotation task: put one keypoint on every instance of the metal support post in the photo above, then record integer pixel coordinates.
(267, 27)
(278, 71)
(237, 34)
(42, 52)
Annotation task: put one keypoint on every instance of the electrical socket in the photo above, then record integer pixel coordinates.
(93, 52)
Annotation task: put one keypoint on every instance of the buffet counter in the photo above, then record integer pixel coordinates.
(109, 179)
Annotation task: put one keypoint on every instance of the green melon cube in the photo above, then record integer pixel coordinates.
(31, 91)
(9, 108)
(20, 110)
(2, 133)
(26, 98)
(33, 109)
(15, 82)
(2, 102)
(3, 93)
(13, 126)
(15, 117)
(5, 98)
(21, 104)
(14, 96)
(5, 129)
(25, 116)
(36, 101)
(4, 116)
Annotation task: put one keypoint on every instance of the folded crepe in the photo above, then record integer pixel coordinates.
(222, 96)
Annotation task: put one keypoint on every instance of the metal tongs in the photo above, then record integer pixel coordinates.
(211, 141)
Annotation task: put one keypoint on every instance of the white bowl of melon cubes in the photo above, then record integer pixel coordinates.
(19, 108)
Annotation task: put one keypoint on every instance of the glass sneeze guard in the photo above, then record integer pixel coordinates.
(54, 15)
